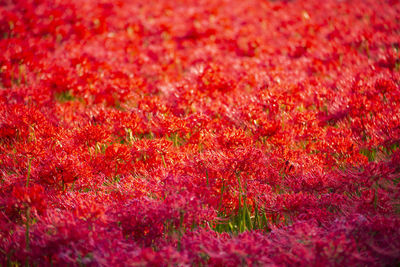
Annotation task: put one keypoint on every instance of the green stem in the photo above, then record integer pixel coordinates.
(222, 194)
(27, 226)
(29, 172)
(163, 160)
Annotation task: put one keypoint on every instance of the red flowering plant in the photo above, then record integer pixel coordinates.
(221, 133)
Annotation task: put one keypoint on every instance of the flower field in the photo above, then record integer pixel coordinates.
(199, 133)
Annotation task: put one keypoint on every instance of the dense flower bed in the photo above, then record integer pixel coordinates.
(198, 133)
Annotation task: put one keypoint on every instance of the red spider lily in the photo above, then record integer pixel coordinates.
(220, 133)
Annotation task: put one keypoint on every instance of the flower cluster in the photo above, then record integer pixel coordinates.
(190, 133)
